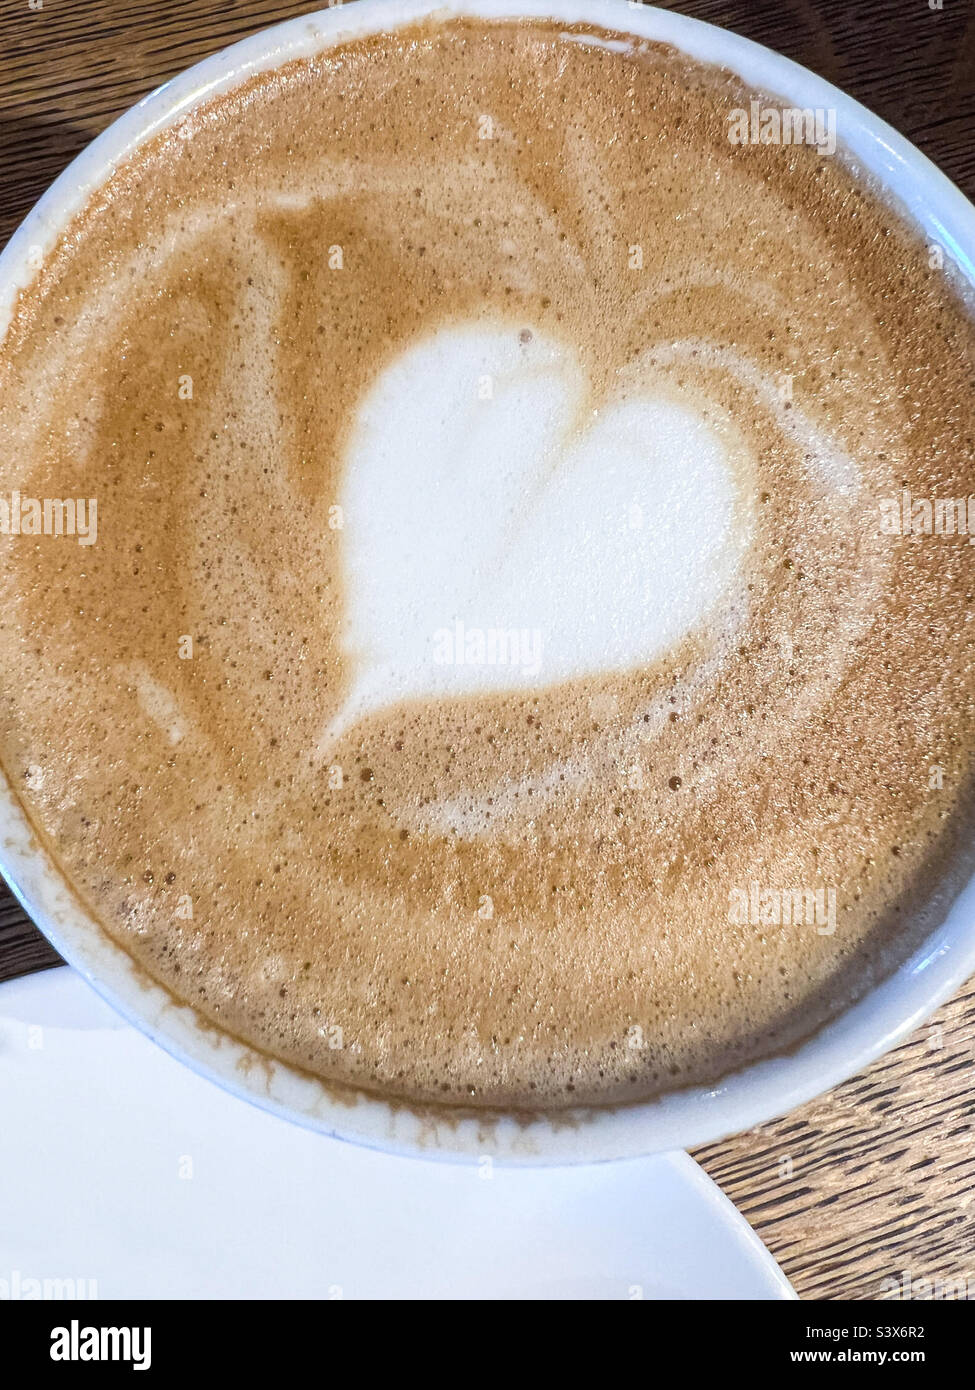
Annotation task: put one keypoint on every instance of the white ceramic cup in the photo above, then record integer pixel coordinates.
(679, 1120)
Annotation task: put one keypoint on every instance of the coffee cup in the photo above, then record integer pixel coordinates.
(679, 1119)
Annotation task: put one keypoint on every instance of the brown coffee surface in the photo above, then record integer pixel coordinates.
(193, 356)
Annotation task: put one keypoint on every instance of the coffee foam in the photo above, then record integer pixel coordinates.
(480, 882)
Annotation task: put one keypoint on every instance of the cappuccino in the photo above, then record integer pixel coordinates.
(492, 680)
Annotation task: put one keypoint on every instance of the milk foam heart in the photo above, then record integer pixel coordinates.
(503, 532)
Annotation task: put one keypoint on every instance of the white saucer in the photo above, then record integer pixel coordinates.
(120, 1165)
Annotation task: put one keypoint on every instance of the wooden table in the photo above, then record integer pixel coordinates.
(876, 1178)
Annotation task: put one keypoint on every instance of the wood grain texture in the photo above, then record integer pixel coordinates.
(876, 1178)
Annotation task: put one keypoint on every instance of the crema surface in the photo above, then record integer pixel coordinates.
(498, 677)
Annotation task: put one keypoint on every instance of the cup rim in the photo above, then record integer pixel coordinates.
(679, 1119)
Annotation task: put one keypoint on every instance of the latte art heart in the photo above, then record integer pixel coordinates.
(503, 532)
